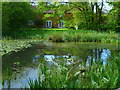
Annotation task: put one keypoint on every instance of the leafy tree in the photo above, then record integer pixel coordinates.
(89, 15)
(40, 8)
(114, 16)
(15, 15)
(5, 16)
(84, 15)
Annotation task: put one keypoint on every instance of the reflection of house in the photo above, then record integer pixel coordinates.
(54, 22)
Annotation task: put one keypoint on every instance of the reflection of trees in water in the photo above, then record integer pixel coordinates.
(99, 54)
(96, 54)
(24, 57)
(93, 54)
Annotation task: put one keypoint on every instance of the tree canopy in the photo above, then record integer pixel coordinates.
(15, 15)
(88, 15)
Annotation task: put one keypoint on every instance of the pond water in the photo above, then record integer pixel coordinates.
(19, 67)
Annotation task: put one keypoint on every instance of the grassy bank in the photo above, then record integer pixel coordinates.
(61, 35)
(14, 41)
(95, 76)
(84, 36)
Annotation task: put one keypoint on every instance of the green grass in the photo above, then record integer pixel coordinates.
(83, 36)
(57, 29)
(64, 35)
(96, 76)
(14, 41)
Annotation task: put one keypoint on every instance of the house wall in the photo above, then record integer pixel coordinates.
(54, 22)
(53, 19)
(68, 15)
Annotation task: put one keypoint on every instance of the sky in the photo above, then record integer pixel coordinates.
(106, 7)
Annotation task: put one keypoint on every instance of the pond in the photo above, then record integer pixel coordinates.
(19, 67)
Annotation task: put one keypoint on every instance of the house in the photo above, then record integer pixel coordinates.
(52, 22)
(56, 22)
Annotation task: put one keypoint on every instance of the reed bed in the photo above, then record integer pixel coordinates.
(84, 36)
(65, 35)
(95, 76)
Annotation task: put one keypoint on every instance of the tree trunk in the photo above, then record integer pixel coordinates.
(100, 13)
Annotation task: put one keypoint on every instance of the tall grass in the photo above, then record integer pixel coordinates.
(84, 36)
(95, 76)
(24, 38)
(64, 35)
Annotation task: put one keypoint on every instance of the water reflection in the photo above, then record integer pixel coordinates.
(22, 79)
(30, 58)
(104, 55)
(98, 54)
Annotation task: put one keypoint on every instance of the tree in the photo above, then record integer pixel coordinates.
(16, 14)
(5, 16)
(114, 16)
(40, 8)
(88, 15)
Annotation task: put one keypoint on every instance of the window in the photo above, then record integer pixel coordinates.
(30, 22)
(48, 24)
(61, 24)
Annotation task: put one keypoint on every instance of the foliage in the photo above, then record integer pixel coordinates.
(114, 17)
(84, 36)
(15, 15)
(95, 76)
(65, 35)
(85, 15)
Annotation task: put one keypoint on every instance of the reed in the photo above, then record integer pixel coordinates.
(14, 41)
(96, 76)
(82, 36)
(59, 35)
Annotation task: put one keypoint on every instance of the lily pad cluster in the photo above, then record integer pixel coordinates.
(8, 46)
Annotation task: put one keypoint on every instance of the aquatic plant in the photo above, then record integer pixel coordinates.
(16, 45)
(59, 35)
(95, 76)
(79, 36)
(14, 41)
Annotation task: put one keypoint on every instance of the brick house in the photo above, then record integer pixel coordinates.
(52, 22)
(55, 22)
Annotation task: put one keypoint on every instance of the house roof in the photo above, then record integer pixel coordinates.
(49, 12)
(52, 11)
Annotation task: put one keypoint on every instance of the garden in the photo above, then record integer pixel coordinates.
(83, 53)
